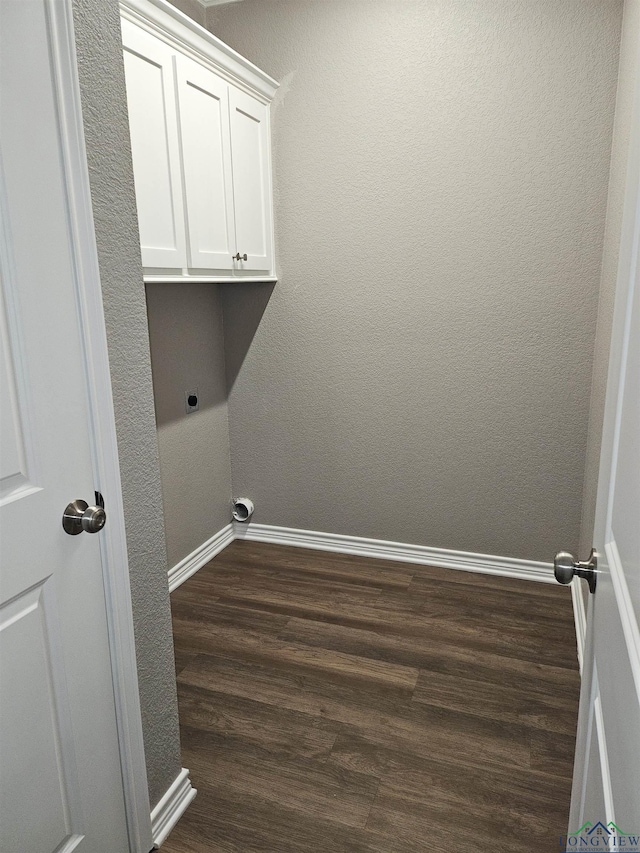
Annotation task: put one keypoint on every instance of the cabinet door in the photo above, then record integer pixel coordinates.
(203, 104)
(250, 152)
(151, 99)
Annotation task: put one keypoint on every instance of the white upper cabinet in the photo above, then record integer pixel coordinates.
(251, 182)
(203, 104)
(200, 138)
(154, 143)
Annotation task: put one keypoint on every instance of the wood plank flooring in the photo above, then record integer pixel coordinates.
(337, 704)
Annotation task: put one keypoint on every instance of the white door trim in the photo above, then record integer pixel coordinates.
(580, 619)
(605, 770)
(103, 430)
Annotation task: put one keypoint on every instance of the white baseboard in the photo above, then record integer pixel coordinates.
(171, 807)
(580, 618)
(418, 554)
(197, 559)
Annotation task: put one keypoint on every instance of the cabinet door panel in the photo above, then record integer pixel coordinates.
(251, 180)
(203, 102)
(151, 99)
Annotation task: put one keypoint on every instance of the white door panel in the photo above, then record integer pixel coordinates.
(625, 508)
(251, 180)
(620, 725)
(151, 98)
(14, 475)
(60, 777)
(203, 101)
(593, 798)
(593, 803)
(40, 738)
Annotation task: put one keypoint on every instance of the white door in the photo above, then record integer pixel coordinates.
(606, 788)
(60, 773)
(151, 97)
(203, 104)
(251, 181)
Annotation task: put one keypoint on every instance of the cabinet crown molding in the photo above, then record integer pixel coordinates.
(171, 25)
(207, 3)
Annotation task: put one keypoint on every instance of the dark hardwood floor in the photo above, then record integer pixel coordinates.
(338, 704)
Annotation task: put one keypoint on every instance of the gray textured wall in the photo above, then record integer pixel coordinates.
(101, 71)
(187, 352)
(628, 73)
(441, 177)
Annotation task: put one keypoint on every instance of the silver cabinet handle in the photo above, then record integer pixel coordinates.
(79, 517)
(239, 257)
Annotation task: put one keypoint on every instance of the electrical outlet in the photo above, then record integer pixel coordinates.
(191, 401)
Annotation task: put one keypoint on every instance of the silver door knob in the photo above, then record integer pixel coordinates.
(79, 517)
(565, 566)
(240, 257)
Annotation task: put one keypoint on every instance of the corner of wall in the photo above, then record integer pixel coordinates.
(101, 73)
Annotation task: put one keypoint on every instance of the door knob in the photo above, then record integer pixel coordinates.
(240, 257)
(79, 517)
(565, 566)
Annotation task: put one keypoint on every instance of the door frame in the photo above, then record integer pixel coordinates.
(628, 267)
(102, 427)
